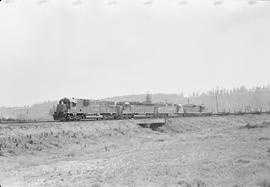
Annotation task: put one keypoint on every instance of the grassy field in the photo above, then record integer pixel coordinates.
(200, 151)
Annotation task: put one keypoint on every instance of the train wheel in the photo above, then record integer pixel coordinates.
(78, 118)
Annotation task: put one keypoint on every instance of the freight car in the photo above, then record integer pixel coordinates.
(77, 109)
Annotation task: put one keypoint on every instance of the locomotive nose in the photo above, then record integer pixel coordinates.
(60, 112)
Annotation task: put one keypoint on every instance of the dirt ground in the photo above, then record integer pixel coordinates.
(199, 151)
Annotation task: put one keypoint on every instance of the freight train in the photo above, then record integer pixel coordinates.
(77, 109)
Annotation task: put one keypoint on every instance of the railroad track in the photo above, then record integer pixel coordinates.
(180, 116)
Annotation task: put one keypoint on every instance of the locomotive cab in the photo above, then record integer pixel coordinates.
(62, 110)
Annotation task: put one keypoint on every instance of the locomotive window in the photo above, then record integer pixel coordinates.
(73, 104)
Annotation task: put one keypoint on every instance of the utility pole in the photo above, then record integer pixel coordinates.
(27, 112)
(217, 101)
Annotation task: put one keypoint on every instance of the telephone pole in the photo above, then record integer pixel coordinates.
(216, 101)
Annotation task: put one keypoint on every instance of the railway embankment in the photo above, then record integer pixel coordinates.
(206, 151)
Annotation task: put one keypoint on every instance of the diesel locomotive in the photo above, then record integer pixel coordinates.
(77, 109)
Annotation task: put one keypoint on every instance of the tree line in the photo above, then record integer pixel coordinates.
(237, 99)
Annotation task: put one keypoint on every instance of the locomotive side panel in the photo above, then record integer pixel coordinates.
(143, 109)
(99, 107)
(169, 109)
(82, 106)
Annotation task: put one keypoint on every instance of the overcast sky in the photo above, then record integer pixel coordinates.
(95, 49)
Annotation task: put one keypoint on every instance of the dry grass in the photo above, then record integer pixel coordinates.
(199, 151)
(195, 183)
(264, 183)
(252, 126)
